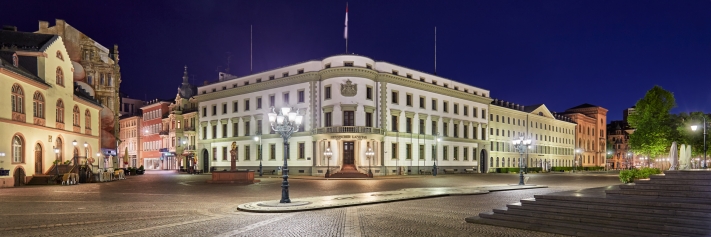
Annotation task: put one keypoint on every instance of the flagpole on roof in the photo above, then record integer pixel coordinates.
(345, 33)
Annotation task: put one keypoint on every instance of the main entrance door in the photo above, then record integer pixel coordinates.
(482, 161)
(348, 153)
(39, 168)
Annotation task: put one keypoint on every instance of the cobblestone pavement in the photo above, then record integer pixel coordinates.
(171, 204)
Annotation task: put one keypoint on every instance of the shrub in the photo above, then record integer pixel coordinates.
(140, 168)
(627, 176)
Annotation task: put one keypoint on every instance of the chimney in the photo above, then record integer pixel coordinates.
(9, 28)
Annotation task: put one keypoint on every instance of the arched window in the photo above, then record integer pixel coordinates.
(15, 60)
(18, 155)
(87, 119)
(59, 146)
(18, 99)
(60, 76)
(59, 55)
(60, 111)
(38, 105)
(75, 116)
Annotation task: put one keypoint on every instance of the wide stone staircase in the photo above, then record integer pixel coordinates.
(51, 177)
(348, 171)
(675, 204)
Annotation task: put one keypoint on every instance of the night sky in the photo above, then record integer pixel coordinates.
(561, 53)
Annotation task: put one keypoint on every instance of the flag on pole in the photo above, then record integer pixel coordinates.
(345, 33)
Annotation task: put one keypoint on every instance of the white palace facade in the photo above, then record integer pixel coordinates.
(350, 104)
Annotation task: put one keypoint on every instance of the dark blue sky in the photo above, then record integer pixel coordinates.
(560, 53)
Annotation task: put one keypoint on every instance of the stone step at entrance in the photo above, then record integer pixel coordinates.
(675, 204)
(348, 171)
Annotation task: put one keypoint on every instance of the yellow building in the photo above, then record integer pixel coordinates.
(552, 136)
(43, 112)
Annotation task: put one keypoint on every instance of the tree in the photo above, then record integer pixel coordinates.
(653, 123)
(682, 124)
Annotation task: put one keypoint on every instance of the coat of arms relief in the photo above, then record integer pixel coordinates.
(349, 89)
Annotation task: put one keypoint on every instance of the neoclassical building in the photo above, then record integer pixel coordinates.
(43, 111)
(591, 134)
(552, 136)
(351, 104)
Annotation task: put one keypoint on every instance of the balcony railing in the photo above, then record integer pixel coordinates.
(164, 132)
(189, 147)
(350, 129)
(189, 129)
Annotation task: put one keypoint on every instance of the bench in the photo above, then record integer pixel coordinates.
(446, 171)
(425, 171)
(469, 171)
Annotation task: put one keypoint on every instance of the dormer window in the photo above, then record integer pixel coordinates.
(409, 75)
(286, 74)
(328, 65)
(15, 60)
(271, 77)
(300, 71)
(347, 64)
(368, 66)
(395, 72)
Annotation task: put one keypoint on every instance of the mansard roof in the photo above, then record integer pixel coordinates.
(586, 105)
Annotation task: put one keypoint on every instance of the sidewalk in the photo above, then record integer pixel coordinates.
(323, 178)
(335, 201)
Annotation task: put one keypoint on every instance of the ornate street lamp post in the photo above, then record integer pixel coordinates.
(258, 138)
(369, 154)
(694, 127)
(328, 155)
(434, 166)
(521, 145)
(285, 121)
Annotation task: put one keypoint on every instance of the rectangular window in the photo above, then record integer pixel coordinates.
(408, 151)
(445, 106)
(272, 151)
(348, 118)
(483, 133)
(466, 153)
(214, 131)
(445, 129)
(408, 100)
(224, 153)
(368, 119)
(456, 108)
(421, 152)
(246, 152)
(271, 101)
(327, 93)
(434, 104)
(286, 98)
(214, 109)
(235, 106)
(456, 153)
(224, 108)
(369, 92)
(224, 130)
(204, 133)
(466, 110)
(394, 96)
(434, 128)
(300, 71)
(246, 105)
(246, 128)
(235, 129)
(433, 150)
(483, 113)
(214, 153)
(393, 151)
(421, 129)
(259, 102)
(302, 150)
(445, 153)
(300, 95)
(466, 131)
(456, 130)
(347, 64)
(408, 125)
(327, 120)
(394, 123)
(474, 112)
(422, 102)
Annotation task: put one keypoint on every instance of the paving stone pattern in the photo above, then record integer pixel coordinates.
(169, 204)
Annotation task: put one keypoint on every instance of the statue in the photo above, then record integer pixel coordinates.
(233, 154)
(688, 156)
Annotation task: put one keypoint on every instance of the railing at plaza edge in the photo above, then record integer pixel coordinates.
(350, 129)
